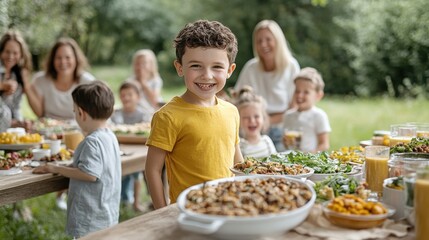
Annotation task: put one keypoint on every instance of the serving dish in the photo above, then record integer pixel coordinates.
(298, 176)
(395, 198)
(356, 221)
(131, 138)
(12, 171)
(19, 146)
(242, 227)
(356, 173)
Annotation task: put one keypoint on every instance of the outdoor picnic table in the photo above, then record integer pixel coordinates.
(27, 185)
(162, 224)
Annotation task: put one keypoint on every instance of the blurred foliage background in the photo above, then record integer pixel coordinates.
(362, 48)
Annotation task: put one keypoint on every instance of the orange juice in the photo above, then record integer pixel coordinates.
(376, 170)
(421, 198)
(292, 139)
(423, 134)
(72, 139)
(395, 140)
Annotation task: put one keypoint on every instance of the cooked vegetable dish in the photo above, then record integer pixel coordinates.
(249, 198)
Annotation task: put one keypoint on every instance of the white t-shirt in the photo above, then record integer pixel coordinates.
(57, 104)
(264, 148)
(312, 122)
(155, 84)
(276, 89)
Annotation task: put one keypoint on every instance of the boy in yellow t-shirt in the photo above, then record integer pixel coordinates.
(196, 134)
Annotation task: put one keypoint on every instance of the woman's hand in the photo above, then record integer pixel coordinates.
(9, 86)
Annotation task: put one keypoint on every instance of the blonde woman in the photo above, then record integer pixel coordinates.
(270, 73)
(147, 78)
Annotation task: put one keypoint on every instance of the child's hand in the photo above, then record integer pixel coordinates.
(43, 169)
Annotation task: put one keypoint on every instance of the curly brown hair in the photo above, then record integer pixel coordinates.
(81, 61)
(207, 34)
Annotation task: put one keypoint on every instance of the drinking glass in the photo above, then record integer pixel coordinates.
(72, 139)
(376, 168)
(292, 138)
(421, 198)
(402, 133)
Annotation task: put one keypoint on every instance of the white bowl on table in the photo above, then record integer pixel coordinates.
(41, 153)
(395, 198)
(242, 227)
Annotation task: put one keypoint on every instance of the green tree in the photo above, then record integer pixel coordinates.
(390, 48)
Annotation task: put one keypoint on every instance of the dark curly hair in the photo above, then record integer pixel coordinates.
(208, 34)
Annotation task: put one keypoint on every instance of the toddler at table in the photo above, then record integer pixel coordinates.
(148, 80)
(253, 121)
(312, 121)
(131, 113)
(95, 174)
(197, 134)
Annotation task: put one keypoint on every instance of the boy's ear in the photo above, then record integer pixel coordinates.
(231, 69)
(179, 68)
(82, 114)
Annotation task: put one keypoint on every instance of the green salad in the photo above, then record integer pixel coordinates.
(320, 162)
(337, 185)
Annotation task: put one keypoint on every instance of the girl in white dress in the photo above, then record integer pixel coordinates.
(253, 122)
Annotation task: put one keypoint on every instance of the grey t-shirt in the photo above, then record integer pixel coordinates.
(93, 206)
(138, 116)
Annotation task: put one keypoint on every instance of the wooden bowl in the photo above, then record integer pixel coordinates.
(355, 221)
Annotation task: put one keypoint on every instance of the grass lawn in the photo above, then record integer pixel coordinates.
(352, 120)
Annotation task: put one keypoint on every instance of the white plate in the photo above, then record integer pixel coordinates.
(12, 171)
(20, 146)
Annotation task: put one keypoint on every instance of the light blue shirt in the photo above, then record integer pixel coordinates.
(93, 206)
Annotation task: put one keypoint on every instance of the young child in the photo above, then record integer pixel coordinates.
(95, 174)
(253, 121)
(312, 120)
(130, 113)
(196, 134)
(147, 78)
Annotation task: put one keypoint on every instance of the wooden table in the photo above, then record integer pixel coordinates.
(162, 224)
(27, 185)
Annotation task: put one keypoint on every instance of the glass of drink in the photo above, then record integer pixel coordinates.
(72, 139)
(421, 198)
(402, 133)
(376, 168)
(292, 138)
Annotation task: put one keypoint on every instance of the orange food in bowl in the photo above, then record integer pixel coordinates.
(350, 211)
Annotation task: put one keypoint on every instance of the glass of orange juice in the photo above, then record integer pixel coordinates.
(402, 133)
(72, 139)
(421, 198)
(292, 138)
(376, 167)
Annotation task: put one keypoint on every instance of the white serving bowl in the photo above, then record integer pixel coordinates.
(236, 227)
(41, 153)
(394, 198)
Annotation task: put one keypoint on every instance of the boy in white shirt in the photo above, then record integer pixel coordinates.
(312, 121)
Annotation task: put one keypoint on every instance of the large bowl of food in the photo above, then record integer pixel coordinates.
(246, 206)
(351, 211)
(255, 166)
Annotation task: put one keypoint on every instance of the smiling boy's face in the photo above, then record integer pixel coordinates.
(205, 71)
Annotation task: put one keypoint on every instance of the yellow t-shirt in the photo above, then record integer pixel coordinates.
(200, 141)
